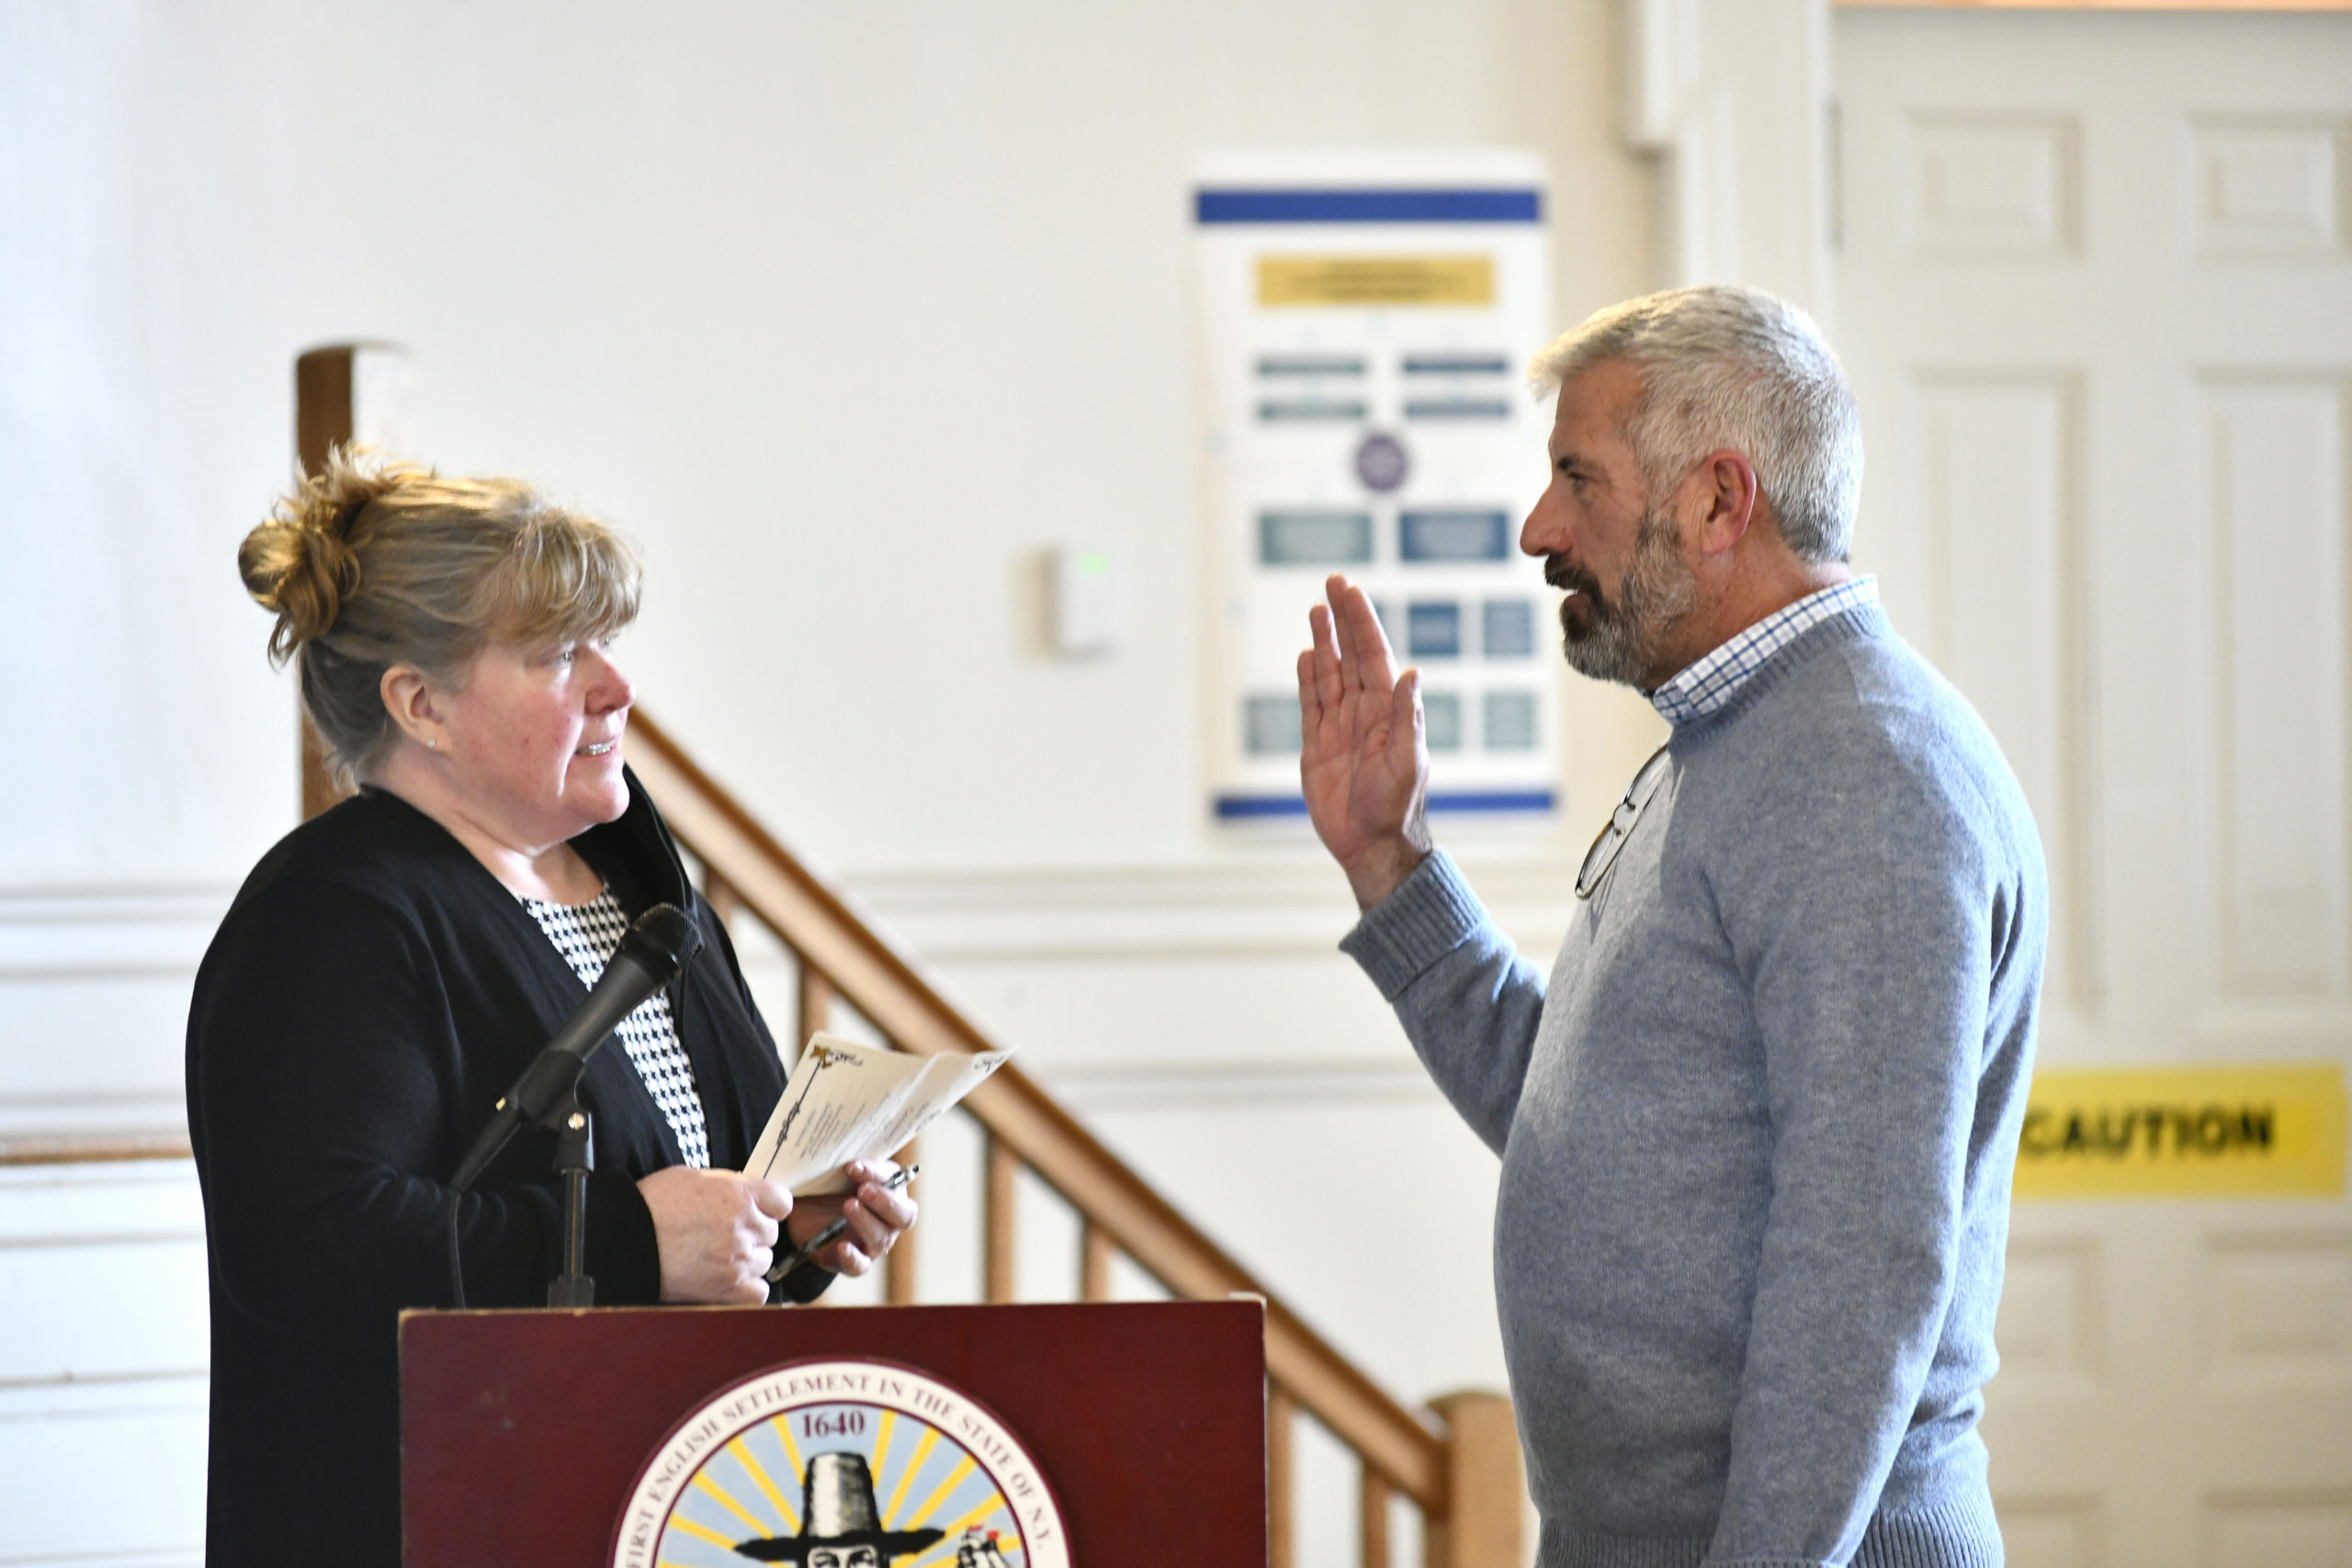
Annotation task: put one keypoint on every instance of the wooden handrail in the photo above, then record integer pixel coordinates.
(1447, 1462)
(1461, 1463)
(884, 985)
(91, 1148)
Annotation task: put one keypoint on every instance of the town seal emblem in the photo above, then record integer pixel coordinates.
(840, 1464)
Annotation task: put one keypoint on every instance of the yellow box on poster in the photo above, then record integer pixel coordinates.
(1361, 281)
(2188, 1131)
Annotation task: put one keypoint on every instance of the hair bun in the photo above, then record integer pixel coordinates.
(300, 562)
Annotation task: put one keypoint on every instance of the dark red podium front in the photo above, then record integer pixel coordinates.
(1128, 1433)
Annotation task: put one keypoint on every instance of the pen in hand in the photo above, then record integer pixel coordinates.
(817, 1243)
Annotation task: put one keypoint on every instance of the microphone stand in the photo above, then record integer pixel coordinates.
(656, 947)
(575, 1156)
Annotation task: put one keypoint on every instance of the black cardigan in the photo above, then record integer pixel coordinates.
(370, 995)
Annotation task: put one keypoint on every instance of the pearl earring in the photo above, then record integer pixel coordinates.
(431, 744)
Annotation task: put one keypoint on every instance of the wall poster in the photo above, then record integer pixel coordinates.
(1364, 326)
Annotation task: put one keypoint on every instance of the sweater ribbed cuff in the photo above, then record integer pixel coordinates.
(1563, 1548)
(1957, 1531)
(1431, 913)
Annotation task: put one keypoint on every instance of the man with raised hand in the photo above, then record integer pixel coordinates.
(1756, 1129)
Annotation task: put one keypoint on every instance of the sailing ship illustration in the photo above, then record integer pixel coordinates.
(977, 1551)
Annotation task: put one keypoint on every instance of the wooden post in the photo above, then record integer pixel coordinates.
(1373, 1530)
(322, 413)
(323, 418)
(899, 1285)
(816, 1005)
(1000, 1239)
(344, 392)
(1095, 1251)
(720, 894)
(1484, 1522)
(1282, 1414)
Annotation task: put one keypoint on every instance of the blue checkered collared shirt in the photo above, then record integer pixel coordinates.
(1708, 684)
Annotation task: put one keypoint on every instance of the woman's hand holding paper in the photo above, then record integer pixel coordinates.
(877, 1214)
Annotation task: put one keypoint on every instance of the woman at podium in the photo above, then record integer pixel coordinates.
(391, 965)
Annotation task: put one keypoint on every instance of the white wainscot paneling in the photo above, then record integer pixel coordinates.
(2268, 187)
(1286, 904)
(2007, 619)
(2286, 1530)
(102, 1364)
(2279, 1313)
(2051, 1325)
(1990, 185)
(1181, 988)
(2271, 455)
(2050, 1532)
(1202, 1022)
(94, 983)
(1375, 1223)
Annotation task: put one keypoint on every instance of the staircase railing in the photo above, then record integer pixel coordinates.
(1458, 1462)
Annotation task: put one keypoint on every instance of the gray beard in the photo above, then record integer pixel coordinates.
(1621, 641)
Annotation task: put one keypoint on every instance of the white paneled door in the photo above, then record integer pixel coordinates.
(2095, 288)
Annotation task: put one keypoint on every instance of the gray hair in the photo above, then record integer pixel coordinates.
(1723, 365)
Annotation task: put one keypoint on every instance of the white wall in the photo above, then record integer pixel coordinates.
(844, 312)
(840, 311)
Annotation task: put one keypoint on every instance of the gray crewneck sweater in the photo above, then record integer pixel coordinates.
(1757, 1131)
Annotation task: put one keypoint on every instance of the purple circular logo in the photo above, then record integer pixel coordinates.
(1381, 462)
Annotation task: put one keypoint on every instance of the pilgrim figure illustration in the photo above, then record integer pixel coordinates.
(839, 1525)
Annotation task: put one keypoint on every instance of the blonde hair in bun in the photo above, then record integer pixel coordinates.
(372, 562)
(299, 562)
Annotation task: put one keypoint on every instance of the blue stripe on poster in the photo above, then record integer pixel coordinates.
(1492, 800)
(1368, 206)
(1234, 808)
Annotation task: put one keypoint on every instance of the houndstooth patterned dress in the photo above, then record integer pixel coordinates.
(587, 935)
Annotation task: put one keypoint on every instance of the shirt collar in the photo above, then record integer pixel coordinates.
(1704, 687)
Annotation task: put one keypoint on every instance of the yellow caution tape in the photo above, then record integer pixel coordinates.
(2214, 1132)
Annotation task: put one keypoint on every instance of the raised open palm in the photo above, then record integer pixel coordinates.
(1362, 764)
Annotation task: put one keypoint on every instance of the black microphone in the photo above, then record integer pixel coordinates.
(662, 940)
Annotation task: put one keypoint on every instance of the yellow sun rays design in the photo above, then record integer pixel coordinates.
(749, 1462)
(923, 1445)
(939, 1494)
(896, 1514)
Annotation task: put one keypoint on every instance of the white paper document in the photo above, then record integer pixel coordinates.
(847, 1101)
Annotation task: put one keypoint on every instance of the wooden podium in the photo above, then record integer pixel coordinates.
(538, 1436)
